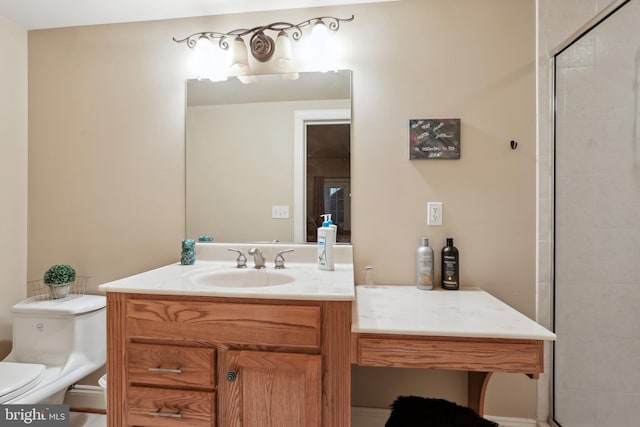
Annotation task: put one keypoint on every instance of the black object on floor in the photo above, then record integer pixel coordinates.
(415, 411)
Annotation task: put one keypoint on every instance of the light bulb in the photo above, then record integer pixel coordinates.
(320, 33)
(220, 65)
(322, 55)
(201, 60)
(284, 52)
(240, 63)
(209, 62)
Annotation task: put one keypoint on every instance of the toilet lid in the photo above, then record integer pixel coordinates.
(73, 304)
(17, 378)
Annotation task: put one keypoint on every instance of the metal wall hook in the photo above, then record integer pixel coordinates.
(514, 144)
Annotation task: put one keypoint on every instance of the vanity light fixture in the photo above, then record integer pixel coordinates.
(230, 57)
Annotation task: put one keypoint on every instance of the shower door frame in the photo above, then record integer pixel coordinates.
(574, 38)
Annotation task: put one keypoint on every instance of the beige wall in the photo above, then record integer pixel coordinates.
(106, 189)
(106, 149)
(13, 174)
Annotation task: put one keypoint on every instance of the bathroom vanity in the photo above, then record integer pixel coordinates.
(213, 345)
(205, 361)
(184, 350)
(466, 330)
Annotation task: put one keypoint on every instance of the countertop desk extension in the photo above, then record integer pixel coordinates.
(466, 330)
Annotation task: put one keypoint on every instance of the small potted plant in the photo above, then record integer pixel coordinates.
(59, 278)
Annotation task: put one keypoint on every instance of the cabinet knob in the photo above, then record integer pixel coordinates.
(232, 376)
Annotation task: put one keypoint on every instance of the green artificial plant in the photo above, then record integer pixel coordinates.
(59, 275)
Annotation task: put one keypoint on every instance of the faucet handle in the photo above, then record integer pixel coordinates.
(241, 261)
(279, 261)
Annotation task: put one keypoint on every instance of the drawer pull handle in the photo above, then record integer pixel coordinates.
(159, 413)
(232, 376)
(166, 370)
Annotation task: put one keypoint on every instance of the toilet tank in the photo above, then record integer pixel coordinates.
(50, 331)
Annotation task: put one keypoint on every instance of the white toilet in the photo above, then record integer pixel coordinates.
(55, 344)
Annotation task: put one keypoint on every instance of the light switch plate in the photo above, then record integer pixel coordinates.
(280, 212)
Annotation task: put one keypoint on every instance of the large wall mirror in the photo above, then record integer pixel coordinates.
(265, 160)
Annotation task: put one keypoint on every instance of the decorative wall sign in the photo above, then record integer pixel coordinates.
(434, 138)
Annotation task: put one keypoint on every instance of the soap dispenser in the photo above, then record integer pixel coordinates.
(326, 237)
(329, 221)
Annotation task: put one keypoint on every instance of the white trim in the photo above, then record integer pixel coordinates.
(301, 118)
(512, 422)
(82, 396)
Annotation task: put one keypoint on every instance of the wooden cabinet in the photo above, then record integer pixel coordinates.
(199, 361)
(287, 386)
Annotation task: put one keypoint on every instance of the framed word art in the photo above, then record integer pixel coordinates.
(434, 138)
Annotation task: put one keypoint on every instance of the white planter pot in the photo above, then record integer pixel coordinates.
(59, 291)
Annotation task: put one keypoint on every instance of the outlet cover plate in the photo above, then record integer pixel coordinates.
(434, 213)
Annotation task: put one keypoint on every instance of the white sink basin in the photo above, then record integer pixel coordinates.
(214, 274)
(243, 278)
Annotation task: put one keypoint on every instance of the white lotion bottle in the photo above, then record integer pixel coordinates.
(424, 265)
(326, 237)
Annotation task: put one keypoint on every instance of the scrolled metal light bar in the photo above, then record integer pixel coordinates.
(262, 45)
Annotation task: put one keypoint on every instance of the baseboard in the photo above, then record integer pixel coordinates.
(369, 417)
(89, 398)
(92, 399)
(377, 417)
(512, 422)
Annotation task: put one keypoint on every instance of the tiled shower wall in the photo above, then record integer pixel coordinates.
(599, 212)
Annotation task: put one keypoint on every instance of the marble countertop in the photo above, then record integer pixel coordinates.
(471, 313)
(311, 283)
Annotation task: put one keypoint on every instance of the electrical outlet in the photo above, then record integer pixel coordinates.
(434, 213)
(280, 212)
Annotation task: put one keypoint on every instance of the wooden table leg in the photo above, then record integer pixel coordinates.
(476, 388)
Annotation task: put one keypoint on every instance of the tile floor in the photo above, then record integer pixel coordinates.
(84, 419)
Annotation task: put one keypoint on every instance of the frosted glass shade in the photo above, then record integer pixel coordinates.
(240, 63)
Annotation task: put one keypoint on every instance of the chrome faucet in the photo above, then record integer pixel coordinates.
(258, 258)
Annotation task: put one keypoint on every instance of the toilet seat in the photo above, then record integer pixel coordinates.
(18, 378)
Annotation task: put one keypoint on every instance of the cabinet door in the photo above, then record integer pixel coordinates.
(270, 389)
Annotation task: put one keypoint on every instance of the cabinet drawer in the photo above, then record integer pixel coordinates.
(156, 407)
(462, 354)
(169, 365)
(230, 323)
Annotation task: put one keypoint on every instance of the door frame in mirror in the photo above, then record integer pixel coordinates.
(301, 119)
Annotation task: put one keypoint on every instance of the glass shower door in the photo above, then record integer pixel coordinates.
(596, 378)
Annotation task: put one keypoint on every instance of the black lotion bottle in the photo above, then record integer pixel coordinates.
(450, 267)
